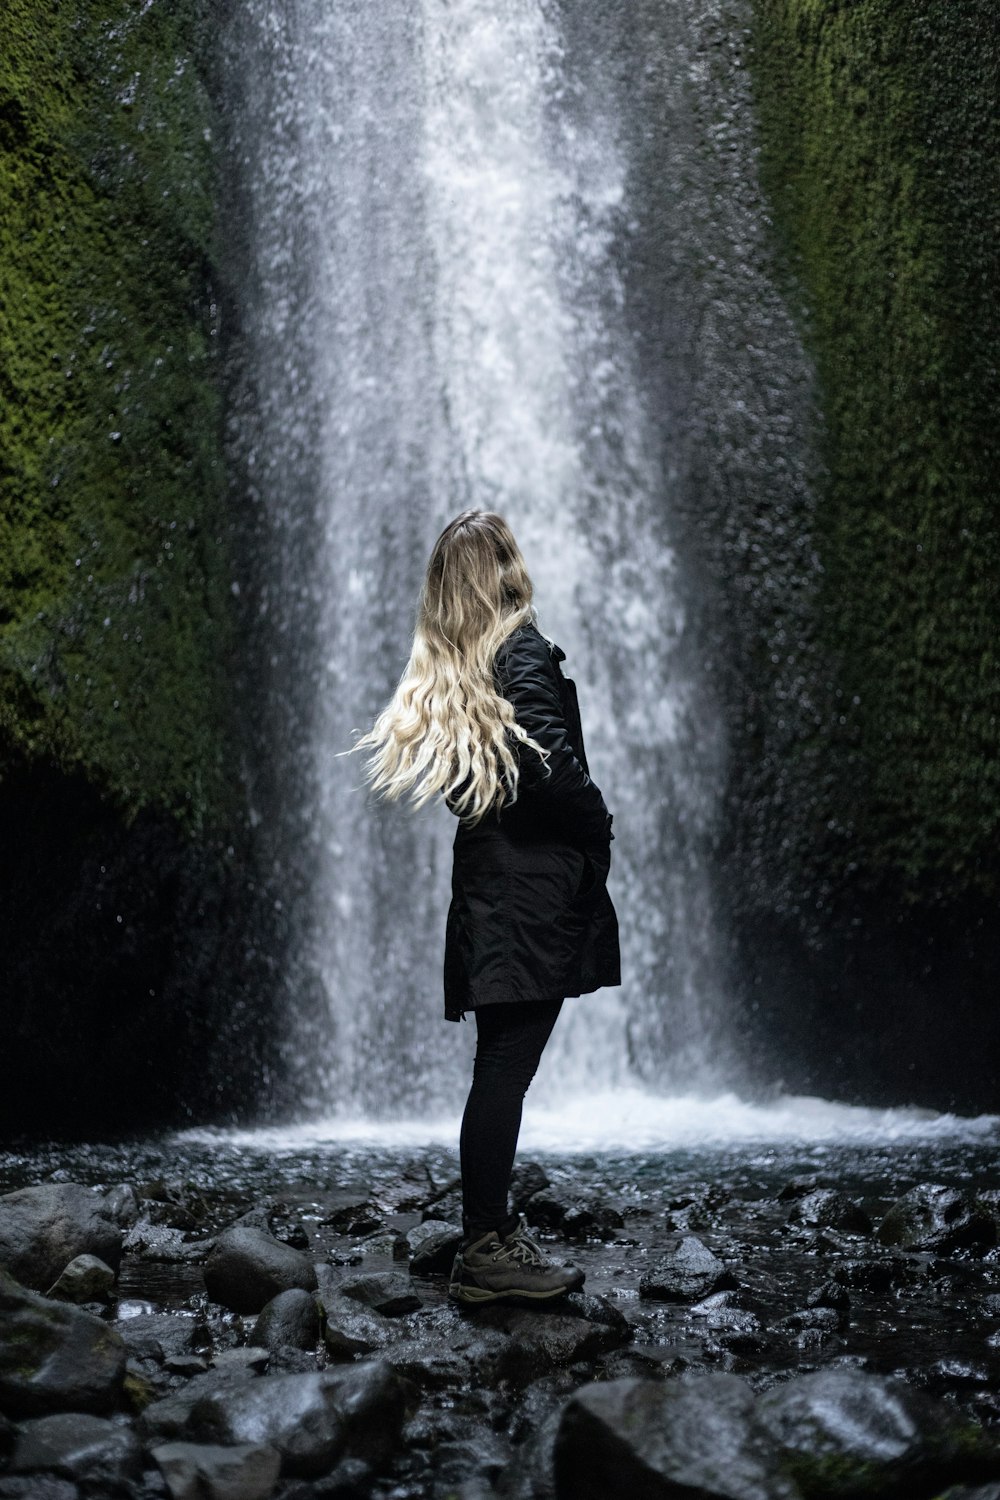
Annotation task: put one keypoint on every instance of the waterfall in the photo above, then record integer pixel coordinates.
(432, 222)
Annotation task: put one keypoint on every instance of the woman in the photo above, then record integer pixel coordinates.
(483, 716)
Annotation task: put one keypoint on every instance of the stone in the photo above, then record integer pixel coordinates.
(122, 1203)
(185, 1364)
(386, 1292)
(170, 1417)
(545, 1211)
(681, 1437)
(37, 1487)
(824, 1208)
(43, 1228)
(167, 1333)
(87, 1278)
(937, 1219)
(351, 1329)
(161, 1243)
(845, 1434)
(874, 1276)
(246, 1357)
(433, 1247)
(54, 1356)
(206, 1471)
(686, 1274)
(309, 1419)
(291, 1317)
(353, 1214)
(524, 1344)
(247, 1267)
(526, 1179)
(830, 1294)
(87, 1449)
(591, 1221)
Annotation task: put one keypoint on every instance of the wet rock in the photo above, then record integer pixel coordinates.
(54, 1356)
(686, 1437)
(545, 1211)
(176, 1203)
(596, 1221)
(159, 1242)
(991, 1305)
(85, 1279)
(353, 1214)
(971, 1492)
(43, 1228)
(122, 1204)
(309, 1419)
(686, 1274)
(526, 1179)
(247, 1357)
(522, 1345)
(350, 1479)
(874, 1276)
(86, 1449)
(157, 1335)
(291, 1318)
(826, 1209)
(938, 1219)
(385, 1292)
(37, 1487)
(185, 1364)
(248, 1267)
(351, 1329)
(830, 1294)
(433, 1246)
(202, 1471)
(826, 1318)
(844, 1434)
(170, 1417)
(431, 1367)
(798, 1187)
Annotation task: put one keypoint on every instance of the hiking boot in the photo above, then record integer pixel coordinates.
(492, 1268)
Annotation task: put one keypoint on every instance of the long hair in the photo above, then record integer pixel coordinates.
(446, 729)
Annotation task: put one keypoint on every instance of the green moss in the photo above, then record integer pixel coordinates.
(881, 155)
(114, 627)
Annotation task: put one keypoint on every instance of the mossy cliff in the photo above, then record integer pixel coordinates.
(120, 801)
(880, 155)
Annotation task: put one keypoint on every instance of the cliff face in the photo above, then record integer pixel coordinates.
(872, 916)
(120, 792)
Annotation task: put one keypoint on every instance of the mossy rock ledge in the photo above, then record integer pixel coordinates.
(124, 863)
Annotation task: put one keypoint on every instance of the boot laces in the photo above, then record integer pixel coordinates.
(519, 1247)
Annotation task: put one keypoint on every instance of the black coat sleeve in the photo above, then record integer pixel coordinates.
(526, 676)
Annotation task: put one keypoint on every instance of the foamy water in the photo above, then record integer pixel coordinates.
(631, 1119)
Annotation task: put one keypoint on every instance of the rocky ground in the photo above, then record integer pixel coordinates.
(161, 1338)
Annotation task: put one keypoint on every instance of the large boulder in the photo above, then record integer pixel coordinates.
(54, 1356)
(309, 1419)
(686, 1274)
(247, 1267)
(91, 1450)
(844, 1434)
(939, 1219)
(683, 1438)
(203, 1471)
(43, 1228)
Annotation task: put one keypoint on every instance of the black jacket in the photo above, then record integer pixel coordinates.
(530, 916)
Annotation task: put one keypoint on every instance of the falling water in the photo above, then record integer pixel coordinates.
(435, 228)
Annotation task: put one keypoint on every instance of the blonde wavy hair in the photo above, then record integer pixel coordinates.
(446, 729)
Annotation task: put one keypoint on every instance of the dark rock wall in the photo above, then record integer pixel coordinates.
(124, 861)
(869, 921)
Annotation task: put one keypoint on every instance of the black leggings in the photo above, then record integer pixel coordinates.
(510, 1040)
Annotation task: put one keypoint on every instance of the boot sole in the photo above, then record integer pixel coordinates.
(461, 1293)
(479, 1294)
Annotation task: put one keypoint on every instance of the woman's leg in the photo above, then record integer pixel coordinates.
(510, 1041)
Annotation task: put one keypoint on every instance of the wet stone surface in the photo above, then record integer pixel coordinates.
(280, 1322)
